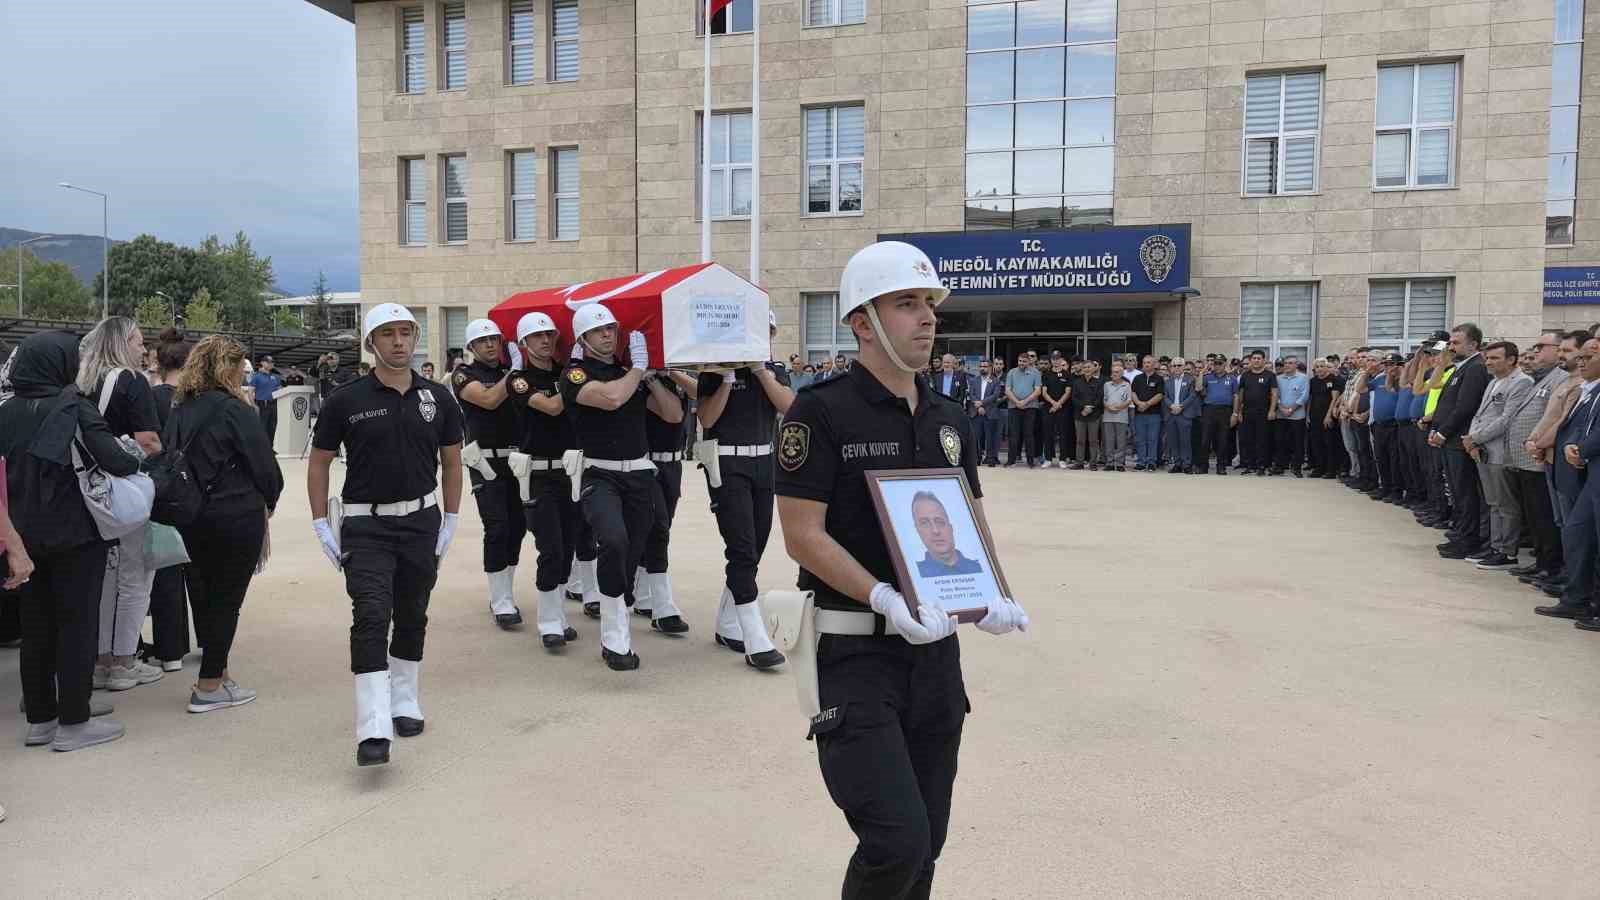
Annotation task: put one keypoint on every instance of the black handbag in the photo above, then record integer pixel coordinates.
(179, 497)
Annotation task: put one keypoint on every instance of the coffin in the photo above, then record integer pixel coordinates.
(695, 317)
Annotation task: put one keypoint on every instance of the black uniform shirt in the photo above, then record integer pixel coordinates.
(663, 436)
(749, 418)
(1257, 390)
(1147, 386)
(605, 434)
(1323, 392)
(1055, 383)
(541, 436)
(850, 424)
(493, 429)
(393, 439)
(132, 407)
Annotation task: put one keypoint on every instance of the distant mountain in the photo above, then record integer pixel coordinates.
(81, 252)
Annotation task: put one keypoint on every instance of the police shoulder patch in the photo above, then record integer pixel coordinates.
(950, 440)
(794, 445)
(577, 375)
(519, 384)
(462, 378)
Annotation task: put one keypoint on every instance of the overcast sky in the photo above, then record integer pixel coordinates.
(196, 116)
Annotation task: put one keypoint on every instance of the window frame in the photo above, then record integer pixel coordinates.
(512, 44)
(832, 347)
(1274, 347)
(727, 168)
(407, 201)
(406, 53)
(1568, 202)
(1417, 127)
(447, 51)
(833, 161)
(448, 201)
(553, 42)
(701, 27)
(513, 198)
(1407, 338)
(835, 15)
(1282, 137)
(554, 164)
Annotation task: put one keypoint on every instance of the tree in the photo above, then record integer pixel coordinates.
(153, 312)
(319, 317)
(202, 313)
(232, 275)
(284, 321)
(50, 290)
(239, 281)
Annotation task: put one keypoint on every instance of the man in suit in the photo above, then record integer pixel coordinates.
(949, 381)
(984, 407)
(1577, 447)
(1458, 403)
(1182, 406)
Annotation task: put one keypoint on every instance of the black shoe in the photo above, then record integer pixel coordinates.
(731, 644)
(1296, 473)
(1175, 470)
(1554, 592)
(592, 610)
(1330, 475)
(557, 641)
(574, 597)
(1480, 554)
(1529, 569)
(670, 625)
(1222, 470)
(509, 621)
(372, 752)
(406, 726)
(620, 662)
(643, 612)
(1261, 473)
(766, 659)
(1076, 467)
(1496, 561)
(1590, 624)
(1453, 551)
(1565, 611)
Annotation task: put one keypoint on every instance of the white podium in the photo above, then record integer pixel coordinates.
(294, 419)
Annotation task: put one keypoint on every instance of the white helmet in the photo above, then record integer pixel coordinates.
(884, 268)
(589, 317)
(383, 314)
(478, 329)
(534, 323)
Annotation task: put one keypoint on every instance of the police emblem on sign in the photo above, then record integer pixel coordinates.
(950, 440)
(794, 445)
(1158, 253)
(299, 408)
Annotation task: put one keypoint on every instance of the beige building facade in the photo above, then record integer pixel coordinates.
(1305, 175)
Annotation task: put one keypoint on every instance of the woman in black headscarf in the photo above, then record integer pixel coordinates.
(61, 601)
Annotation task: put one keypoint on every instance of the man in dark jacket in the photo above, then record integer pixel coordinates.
(1458, 403)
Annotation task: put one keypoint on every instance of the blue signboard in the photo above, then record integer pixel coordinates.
(1571, 285)
(1116, 260)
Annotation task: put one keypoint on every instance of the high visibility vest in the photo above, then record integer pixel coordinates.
(1433, 395)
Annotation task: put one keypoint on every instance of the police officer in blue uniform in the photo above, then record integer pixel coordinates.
(493, 427)
(397, 429)
(665, 435)
(892, 697)
(1216, 413)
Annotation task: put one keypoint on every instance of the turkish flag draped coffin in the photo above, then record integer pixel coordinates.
(700, 316)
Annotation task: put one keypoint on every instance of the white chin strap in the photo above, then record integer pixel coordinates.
(381, 361)
(877, 328)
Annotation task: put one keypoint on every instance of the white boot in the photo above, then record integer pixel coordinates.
(615, 638)
(500, 602)
(511, 587)
(574, 585)
(727, 619)
(661, 596)
(373, 719)
(403, 685)
(552, 615)
(753, 628)
(591, 583)
(643, 600)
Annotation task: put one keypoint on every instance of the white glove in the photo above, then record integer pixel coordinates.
(447, 531)
(730, 377)
(887, 602)
(1004, 616)
(329, 542)
(638, 354)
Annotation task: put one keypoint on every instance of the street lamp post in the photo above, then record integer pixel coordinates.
(174, 307)
(20, 245)
(105, 246)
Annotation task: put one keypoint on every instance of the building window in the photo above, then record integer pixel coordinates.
(1566, 72)
(1278, 319)
(1282, 115)
(1400, 313)
(419, 355)
(414, 196)
(523, 186)
(413, 51)
(1041, 87)
(824, 336)
(564, 193)
(455, 198)
(730, 165)
(1415, 144)
(519, 42)
(455, 327)
(737, 17)
(343, 318)
(453, 39)
(564, 40)
(835, 12)
(835, 145)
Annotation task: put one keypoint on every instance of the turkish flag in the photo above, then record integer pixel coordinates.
(717, 6)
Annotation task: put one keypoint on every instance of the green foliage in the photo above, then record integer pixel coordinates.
(50, 290)
(233, 276)
(285, 321)
(153, 312)
(203, 313)
(319, 316)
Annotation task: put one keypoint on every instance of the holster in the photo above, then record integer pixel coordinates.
(472, 458)
(572, 464)
(705, 453)
(336, 519)
(791, 623)
(520, 465)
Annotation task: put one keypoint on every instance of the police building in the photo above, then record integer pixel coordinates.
(1086, 175)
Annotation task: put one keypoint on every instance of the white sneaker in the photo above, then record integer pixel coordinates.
(121, 678)
(1061, 464)
(100, 675)
(172, 665)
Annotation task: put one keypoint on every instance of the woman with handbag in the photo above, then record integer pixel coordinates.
(232, 461)
(42, 427)
(169, 611)
(109, 375)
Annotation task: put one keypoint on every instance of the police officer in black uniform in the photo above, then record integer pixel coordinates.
(540, 482)
(738, 412)
(892, 696)
(617, 486)
(666, 436)
(493, 427)
(397, 429)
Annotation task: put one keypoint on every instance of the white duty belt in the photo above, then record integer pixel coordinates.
(744, 449)
(864, 623)
(669, 456)
(400, 508)
(521, 465)
(573, 462)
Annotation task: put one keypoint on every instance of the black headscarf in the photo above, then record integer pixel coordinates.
(46, 366)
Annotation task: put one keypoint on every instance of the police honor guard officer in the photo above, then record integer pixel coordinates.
(492, 427)
(738, 411)
(890, 686)
(614, 469)
(541, 483)
(665, 435)
(397, 429)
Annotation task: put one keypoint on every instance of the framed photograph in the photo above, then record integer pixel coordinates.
(943, 553)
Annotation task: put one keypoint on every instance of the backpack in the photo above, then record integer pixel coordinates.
(179, 497)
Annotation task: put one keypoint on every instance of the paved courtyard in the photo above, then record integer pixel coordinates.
(1233, 687)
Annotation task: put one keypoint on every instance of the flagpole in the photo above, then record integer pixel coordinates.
(705, 149)
(755, 142)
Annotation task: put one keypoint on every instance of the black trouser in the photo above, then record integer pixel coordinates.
(1041, 439)
(743, 507)
(1365, 455)
(1434, 474)
(1023, 426)
(1466, 494)
(556, 523)
(1255, 440)
(169, 614)
(617, 507)
(61, 631)
(269, 418)
(1215, 419)
(887, 742)
(500, 509)
(1290, 439)
(10, 611)
(1410, 442)
(1057, 434)
(1323, 443)
(1384, 454)
(664, 508)
(1538, 517)
(225, 550)
(1197, 443)
(389, 571)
